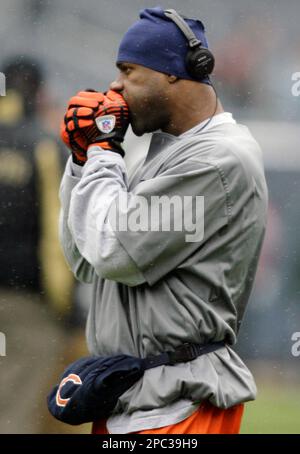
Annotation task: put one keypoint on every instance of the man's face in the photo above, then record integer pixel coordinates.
(146, 93)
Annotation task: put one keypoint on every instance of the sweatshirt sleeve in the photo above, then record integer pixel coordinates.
(90, 247)
(80, 267)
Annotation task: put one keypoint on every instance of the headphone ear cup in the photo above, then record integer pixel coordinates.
(200, 62)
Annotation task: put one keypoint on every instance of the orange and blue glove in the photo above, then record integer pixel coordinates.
(95, 118)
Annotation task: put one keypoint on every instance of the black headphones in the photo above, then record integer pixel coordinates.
(200, 61)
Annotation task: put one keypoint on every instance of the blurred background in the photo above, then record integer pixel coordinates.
(49, 51)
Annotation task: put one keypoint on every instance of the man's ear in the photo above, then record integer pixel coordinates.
(172, 79)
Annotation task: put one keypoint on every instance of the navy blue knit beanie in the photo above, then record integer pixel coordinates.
(156, 42)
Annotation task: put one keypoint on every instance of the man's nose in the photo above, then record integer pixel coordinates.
(116, 85)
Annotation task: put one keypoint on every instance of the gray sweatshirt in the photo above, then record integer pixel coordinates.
(154, 289)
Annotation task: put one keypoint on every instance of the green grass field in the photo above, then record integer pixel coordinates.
(275, 411)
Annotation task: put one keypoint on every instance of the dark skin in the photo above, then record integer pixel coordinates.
(161, 101)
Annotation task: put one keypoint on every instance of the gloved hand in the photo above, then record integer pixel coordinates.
(74, 127)
(95, 118)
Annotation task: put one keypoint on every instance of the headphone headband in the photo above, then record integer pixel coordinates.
(186, 30)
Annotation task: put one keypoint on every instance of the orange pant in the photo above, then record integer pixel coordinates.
(206, 420)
